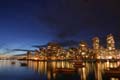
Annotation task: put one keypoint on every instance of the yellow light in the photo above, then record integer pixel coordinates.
(35, 58)
(109, 57)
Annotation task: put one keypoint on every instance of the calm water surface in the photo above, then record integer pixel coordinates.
(46, 70)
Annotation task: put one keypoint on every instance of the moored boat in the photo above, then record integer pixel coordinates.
(112, 72)
(65, 70)
(12, 63)
(23, 64)
(78, 64)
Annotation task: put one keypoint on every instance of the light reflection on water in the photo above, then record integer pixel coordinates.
(92, 71)
(45, 70)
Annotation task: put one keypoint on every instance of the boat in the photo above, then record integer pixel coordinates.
(12, 63)
(65, 70)
(78, 64)
(112, 72)
(23, 64)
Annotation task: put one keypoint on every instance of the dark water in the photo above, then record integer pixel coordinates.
(45, 71)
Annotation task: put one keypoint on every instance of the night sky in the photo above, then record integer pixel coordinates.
(24, 23)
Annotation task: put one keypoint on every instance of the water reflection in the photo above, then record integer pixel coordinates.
(91, 71)
(8, 71)
(43, 70)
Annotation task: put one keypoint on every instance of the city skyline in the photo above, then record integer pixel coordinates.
(59, 40)
(56, 51)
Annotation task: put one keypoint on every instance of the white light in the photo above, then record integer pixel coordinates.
(109, 57)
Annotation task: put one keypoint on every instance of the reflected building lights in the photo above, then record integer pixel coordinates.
(114, 79)
(83, 74)
(48, 75)
(54, 75)
(46, 69)
(98, 71)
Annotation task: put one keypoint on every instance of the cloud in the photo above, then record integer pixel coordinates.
(66, 43)
(70, 17)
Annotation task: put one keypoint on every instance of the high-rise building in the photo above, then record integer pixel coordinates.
(83, 48)
(110, 42)
(96, 43)
(96, 47)
(29, 55)
(36, 54)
